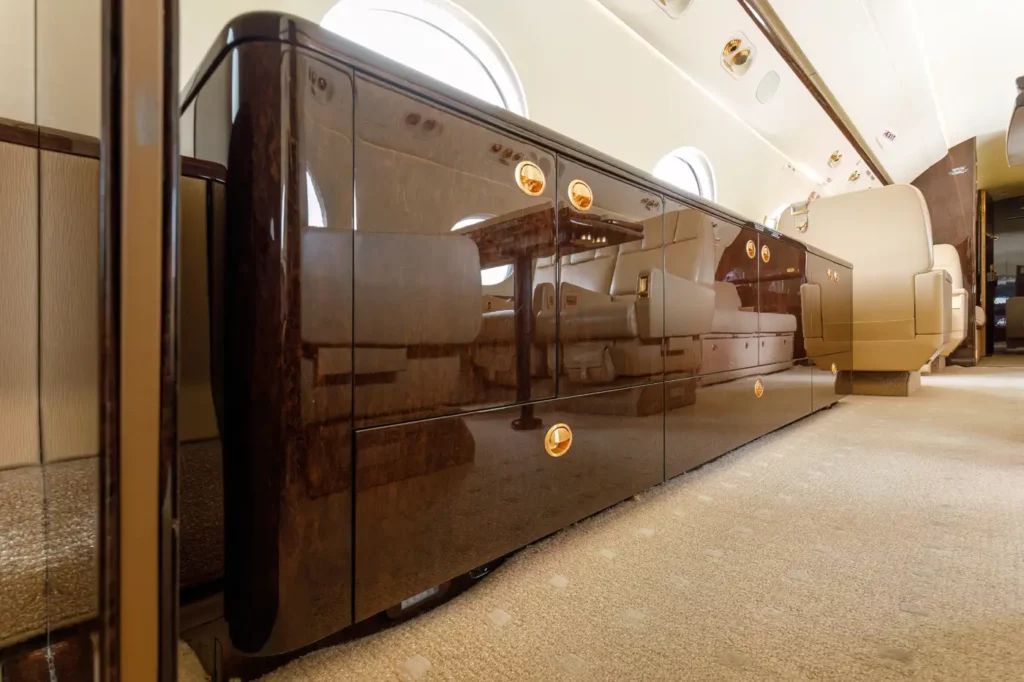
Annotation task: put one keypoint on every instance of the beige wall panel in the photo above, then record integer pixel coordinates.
(70, 305)
(19, 306)
(68, 76)
(196, 420)
(18, 60)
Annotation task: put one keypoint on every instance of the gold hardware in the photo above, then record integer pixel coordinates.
(530, 178)
(766, 253)
(835, 276)
(731, 47)
(758, 388)
(834, 160)
(580, 194)
(835, 370)
(751, 249)
(830, 274)
(558, 440)
(643, 288)
(790, 270)
(854, 176)
(740, 58)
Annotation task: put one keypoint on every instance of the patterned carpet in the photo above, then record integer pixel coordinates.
(880, 540)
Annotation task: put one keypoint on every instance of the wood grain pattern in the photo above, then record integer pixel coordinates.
(19, 314)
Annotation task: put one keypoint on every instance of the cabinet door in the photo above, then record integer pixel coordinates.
(732, 343)
(438, 498)
(780, 285)
(453, 218)
(610, 299)
(827, 307)
(708, 416)
(787, 396)
(826, 375)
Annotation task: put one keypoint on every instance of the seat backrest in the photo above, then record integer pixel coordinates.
(946, 258)
(637, 256)
(726, 296)
(690, 245)
(885, 232)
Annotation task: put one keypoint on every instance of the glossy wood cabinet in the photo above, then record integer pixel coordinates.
(410, 291)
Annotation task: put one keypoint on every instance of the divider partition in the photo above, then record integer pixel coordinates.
(440, 332)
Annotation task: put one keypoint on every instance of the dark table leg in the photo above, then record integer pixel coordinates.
(524, 339)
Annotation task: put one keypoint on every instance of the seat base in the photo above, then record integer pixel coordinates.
(892, 384)
(936, 366)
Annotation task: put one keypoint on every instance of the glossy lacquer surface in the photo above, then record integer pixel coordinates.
(825, 373)
(282, 299)
(782, 273)
(438, 498)
(827, 307)
(446, 248)
(732, 342)
(610, 323)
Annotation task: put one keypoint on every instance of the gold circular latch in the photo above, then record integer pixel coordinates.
(530, 178)
(830, 274)
(758, 388)
(766, 253)
(835, 276)
(580, 194)
(835, 370)
(751, 249)
(558, 440)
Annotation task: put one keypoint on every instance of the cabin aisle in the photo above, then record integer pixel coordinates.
(882, 539)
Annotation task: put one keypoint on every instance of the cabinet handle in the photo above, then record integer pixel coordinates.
(758, 388)
(766, 253)
(558, 440)
(751, 249)
(530, 178)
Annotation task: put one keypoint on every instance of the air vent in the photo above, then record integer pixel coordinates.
(674, 8)
(737, 55)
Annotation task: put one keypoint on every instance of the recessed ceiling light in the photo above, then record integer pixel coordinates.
(835, 159)
(768, 86)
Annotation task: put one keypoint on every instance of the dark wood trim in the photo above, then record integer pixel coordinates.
(770, 28)
(54, 140)
(205, 170)
(16, 132)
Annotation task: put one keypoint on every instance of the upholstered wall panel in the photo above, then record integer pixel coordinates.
(69, 305)
(19, 318)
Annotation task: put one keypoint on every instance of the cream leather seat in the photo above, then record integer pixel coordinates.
(901, 306)
(947, 259)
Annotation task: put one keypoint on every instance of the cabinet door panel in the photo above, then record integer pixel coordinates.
(437, 498)
(827, 307)
(452, 219)
(780, 287)
(610, 250)
(732, 343)
(826, 375)
(708, 416)
(787, 396)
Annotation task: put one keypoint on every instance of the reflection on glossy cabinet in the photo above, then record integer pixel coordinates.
(453, 217)
(780, 281)
(827, 307)
(732, 343)
(610, 297)
(437, 498)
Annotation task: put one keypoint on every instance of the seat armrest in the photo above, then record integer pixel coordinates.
(810, 311)
(933, 303)
(587, 315)
(676, 307)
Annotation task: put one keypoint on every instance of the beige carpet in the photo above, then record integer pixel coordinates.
(883, 539)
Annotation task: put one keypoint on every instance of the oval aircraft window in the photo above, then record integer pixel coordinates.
(688, 169)
(434, 37)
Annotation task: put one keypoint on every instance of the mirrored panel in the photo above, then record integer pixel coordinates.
(781, 276)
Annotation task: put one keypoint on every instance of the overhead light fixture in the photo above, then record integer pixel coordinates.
(1015, 132)
(674, 8)
(737, 55)
(854, 176)
(835, 159)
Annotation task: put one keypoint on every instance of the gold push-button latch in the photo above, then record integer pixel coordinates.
(758, 388)
(835, 369)
(751, 249)
(766, 253)
(530, 178)
(558, 440)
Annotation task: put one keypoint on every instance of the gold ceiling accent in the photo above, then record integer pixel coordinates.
(835, 159)
(855, 176)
